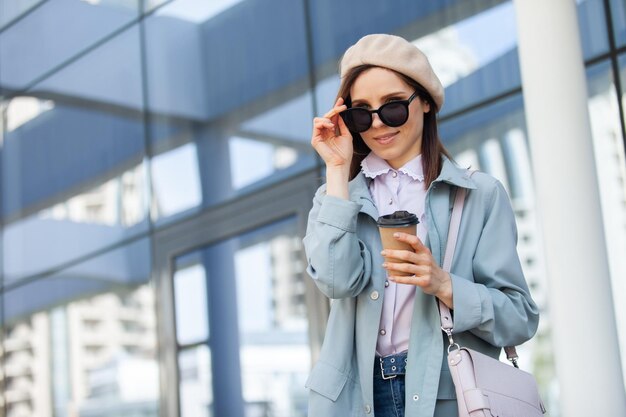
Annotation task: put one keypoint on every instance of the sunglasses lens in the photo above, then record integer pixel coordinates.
(394, 114)
(357, 120)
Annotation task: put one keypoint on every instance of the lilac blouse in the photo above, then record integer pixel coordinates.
(391, 190)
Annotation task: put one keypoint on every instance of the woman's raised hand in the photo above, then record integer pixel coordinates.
(331, 138)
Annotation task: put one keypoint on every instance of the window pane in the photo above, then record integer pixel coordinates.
(257, 317)
(593, 31)
(196, 384)
(73, 172)
(192, 9)
(83, 341)
(476, 57)
(618, 14)
(10, 10)
(272, 321)
(54, 32)
(191, 305)
(169, 171)
(244, 119)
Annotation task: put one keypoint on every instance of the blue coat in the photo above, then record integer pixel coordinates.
(492, 304)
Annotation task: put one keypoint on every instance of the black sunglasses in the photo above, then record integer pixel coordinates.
(394, 114)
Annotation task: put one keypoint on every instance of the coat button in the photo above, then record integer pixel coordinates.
(368, 409)
(374, 295)
(416, 397)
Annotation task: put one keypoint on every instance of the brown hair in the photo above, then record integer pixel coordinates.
(432, 148)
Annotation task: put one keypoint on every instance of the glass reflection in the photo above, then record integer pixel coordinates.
(242, 129)
(460, 49)
(593, 31)
(190, 298)
(194, 10)
(475, 58)
(258, 279)
(11, 10)
(272, 321)
(196, 384)
(117, 202)
(272, 144)
(22, 109)
(77, 226)
(34, 45)
(608, 146)
(491, 154)
(94, 82)
(83, 341)
(73, 173)
(618, 14)
(175, 181)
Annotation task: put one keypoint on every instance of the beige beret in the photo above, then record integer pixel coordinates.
(395, 53)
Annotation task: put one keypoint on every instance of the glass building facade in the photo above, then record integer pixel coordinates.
(156, 174)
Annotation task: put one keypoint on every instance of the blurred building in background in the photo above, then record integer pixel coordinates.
(156, 175)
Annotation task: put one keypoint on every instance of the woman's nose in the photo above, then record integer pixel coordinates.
(376, 122)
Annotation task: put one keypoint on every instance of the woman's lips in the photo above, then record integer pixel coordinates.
(385, 139)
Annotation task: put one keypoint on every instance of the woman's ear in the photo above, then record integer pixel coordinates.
(426, 106)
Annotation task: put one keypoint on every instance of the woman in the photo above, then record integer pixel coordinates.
(383, 352)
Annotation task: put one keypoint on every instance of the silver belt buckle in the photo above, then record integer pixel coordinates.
(382, 370)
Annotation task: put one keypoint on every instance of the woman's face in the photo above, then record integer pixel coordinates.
(397, 145)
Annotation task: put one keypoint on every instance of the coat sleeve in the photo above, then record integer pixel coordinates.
(338, 262)
(496, 306)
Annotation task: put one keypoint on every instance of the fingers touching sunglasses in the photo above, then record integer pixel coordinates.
(394, 114)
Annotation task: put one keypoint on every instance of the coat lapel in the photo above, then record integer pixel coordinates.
(439, 202)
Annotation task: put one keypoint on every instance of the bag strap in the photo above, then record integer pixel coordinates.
(453, 234)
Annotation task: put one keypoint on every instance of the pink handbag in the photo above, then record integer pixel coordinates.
(485, 387)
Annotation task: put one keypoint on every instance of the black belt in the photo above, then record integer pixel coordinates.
(392, 365)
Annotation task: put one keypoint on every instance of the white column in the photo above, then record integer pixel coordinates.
(585, 343)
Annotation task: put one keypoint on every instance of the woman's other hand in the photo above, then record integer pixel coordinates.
(331, 138)
(425, 271)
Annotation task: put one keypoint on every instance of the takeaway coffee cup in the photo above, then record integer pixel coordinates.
(399, 221)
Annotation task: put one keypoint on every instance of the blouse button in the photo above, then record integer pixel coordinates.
(390, 201)
(394, 174)
(382, 332)
(386, 283)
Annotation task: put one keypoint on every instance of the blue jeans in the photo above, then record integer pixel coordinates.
(389, 397)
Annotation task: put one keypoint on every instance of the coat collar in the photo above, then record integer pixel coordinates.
(450, 173)
(454, 175)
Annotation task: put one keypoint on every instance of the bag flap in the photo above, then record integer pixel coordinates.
(493, 376)
(326, 380)
(504, 406)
